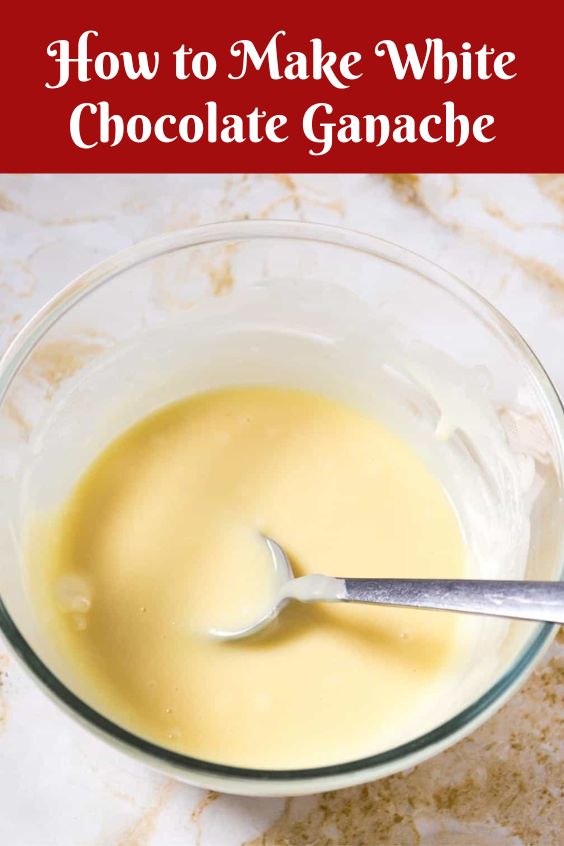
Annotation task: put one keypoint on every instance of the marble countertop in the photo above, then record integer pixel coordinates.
(59, 786)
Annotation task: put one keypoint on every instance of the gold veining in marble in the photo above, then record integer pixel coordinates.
(234, 189)
(205, 802)
(49, 366)
(410, 189)
(7, 204)
(295, 196)
(208, 799)
(18, 283)
(552, 185)
(17, 279)
(221, 273)
(407, 187)
(14, 413)
(56, 361)
(542, 271)
(140, 833)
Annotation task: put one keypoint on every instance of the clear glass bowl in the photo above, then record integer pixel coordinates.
(131, 334)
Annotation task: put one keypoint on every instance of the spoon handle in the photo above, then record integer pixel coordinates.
(541, 601)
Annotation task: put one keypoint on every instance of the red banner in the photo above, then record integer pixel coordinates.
(297, 87)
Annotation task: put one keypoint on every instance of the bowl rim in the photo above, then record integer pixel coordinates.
(392, 759)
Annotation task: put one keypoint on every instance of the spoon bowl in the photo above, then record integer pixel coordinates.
(284, 576)
(517, 600)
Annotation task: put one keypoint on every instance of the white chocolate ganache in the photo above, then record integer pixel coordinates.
(363, 454)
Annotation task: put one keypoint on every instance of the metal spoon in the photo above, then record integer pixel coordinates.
(519, 600)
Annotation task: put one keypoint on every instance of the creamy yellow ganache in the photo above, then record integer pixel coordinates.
(160, 542)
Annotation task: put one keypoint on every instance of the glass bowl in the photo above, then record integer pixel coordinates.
(278, 302)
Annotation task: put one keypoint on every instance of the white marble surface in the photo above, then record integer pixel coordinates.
(61, 787)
